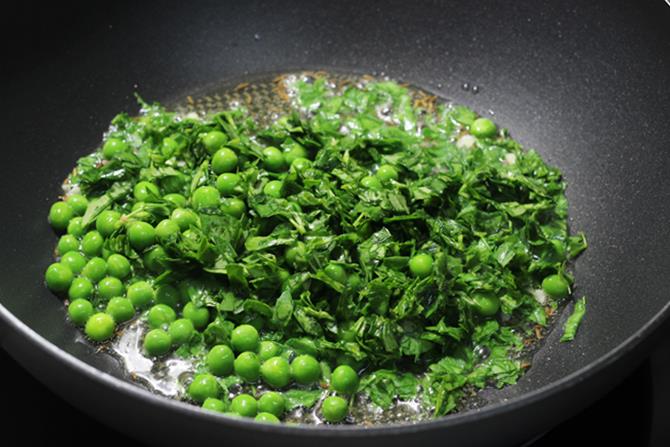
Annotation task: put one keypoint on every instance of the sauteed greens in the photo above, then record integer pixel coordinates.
(372, 243)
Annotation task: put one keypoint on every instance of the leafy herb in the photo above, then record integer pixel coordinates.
(322, 266)
(301, 398)
(573, 321)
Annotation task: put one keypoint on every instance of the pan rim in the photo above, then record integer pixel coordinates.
(129, 390)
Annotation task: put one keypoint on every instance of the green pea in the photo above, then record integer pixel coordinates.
(344, 379)
(121, 309)
(273, 403)
(244, 405)
(157, 342)
(74, 260)
(175, 199)
(167, 294)
(58, 277)
(118, 266)
(556, 286)
(334, 409)
(244, 338)
(224, 160)
(421, 265)
(268, 349)
(371, 182)
(109, 287)
(227, 182)
(79, 203)
(100, 327)
(213, 404)
(67, 243)
(204, 386)
(247, 366)
(267, 417)
(213, 140)
(273, 159)
(167, 229)
(206, 197)
(91, 243)
(386, 173)
(81, 287)
(146, 192)
(60, 215)
(141, 294)
(108, 222)
(220, 360)
(486, 304)
(160, 316)
(198, 315)
(354, 281)
(155, 259)
(300, 164)
(483, 128)
(293, 152)
(296, 255)
(273, 188)
(276, 372)
(184, 218)
(181, 331)
(336, 272)
(113, 147)
(305, 369)
(233, 207)
(95, 269)
(141, 235)
(172, 184)
(75, 227)
(169, 147)
(80, 310)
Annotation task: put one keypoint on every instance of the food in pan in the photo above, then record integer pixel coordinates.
(370, 254)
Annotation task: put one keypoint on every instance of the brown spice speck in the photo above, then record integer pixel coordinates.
(241, 86)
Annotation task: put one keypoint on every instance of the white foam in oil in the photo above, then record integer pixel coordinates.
(166, 377)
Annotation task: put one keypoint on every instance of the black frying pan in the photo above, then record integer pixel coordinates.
(586, 83)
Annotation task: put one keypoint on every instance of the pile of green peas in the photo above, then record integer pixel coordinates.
(100, 285)
(254, 360)
(105, 288)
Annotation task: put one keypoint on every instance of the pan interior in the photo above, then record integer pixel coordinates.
(596, 111)
(268, 96)
(260, 91)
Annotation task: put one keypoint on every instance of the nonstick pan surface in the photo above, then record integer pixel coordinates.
(586, 84)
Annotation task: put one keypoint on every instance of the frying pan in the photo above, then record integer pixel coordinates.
(585, 83)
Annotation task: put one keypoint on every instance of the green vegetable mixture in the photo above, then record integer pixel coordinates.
(372, 243)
